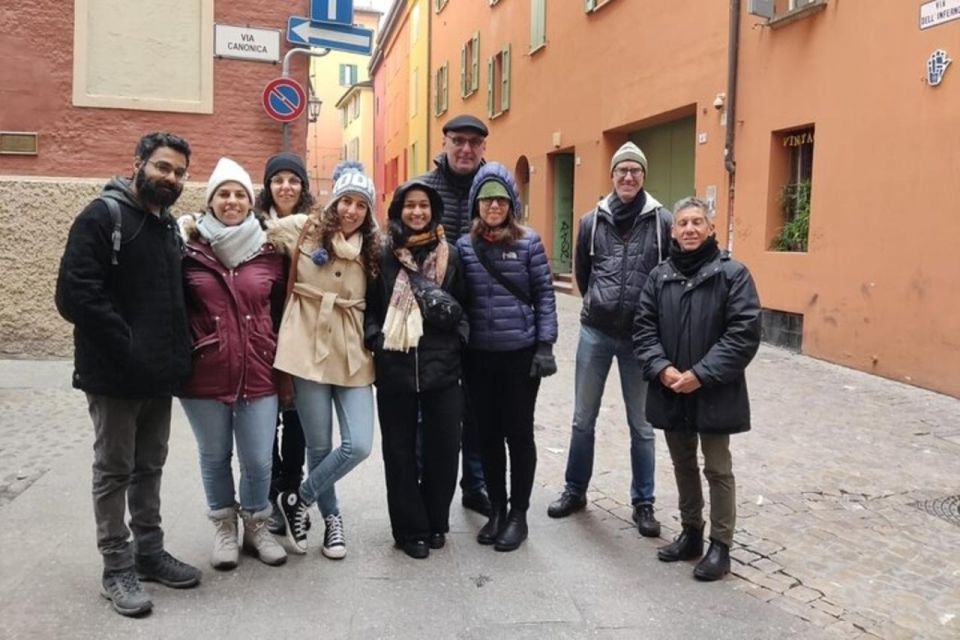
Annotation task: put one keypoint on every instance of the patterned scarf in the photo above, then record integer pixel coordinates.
(403, 325)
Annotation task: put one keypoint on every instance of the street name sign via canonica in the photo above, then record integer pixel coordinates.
(284, 99)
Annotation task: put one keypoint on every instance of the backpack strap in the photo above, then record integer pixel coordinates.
(508, 284)
(116, 238)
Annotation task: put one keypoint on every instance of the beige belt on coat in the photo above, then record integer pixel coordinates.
(352, 328)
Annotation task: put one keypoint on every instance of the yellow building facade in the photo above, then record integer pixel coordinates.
(356, 117)
(330, 76)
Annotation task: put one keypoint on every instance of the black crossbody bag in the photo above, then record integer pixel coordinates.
(510, 286)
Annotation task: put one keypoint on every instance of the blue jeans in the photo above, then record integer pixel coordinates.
(595, 353)
(315, 402)
(215, 425)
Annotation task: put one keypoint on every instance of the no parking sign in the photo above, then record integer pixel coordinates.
(284, 99)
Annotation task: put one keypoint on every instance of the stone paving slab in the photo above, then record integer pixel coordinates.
(830, 541)
(589, 576)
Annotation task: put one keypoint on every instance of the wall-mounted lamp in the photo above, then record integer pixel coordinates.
(313, 108)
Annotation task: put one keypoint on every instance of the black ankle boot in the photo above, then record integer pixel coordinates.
(715, 564)
(514, 533)
(498, 520)
(687, 546)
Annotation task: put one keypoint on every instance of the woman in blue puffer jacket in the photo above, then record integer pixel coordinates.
(513, 326)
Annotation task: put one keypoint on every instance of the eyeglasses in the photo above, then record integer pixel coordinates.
(622, 172)
(293, 181)
(461, 141)
(180, 173)
(503, 203)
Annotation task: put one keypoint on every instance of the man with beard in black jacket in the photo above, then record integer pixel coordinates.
(618, 243)
(120, 285)
(464, 141)
(697, 328)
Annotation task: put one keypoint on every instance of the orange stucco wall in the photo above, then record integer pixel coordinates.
(878, 285)
(391, 72)
(599, 77)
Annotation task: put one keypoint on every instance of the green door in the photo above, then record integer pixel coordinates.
(562, 213)
(670, 159)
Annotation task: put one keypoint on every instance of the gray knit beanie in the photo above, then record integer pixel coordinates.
(349, 177)
(629, 151)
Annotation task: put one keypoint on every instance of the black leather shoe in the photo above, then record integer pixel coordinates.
(566, 504)
(715, 564)
(437, 540)
(414, 548)
(514, 533)
(494, 527)
(687, 546)
(478, 501)
(647, 525)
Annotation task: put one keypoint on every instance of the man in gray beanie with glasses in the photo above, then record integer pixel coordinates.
(619, 242)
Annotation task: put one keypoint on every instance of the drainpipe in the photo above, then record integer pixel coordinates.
(733, 51)
(428, 150)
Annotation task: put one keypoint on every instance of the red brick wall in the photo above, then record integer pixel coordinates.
(36, 88)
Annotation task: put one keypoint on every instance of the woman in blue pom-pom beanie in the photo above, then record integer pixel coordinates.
(333, 254)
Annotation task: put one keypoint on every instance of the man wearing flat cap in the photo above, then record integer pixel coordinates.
(619, 242)
(464, 141)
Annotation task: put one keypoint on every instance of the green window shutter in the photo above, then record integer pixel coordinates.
(463, 71)
(505, 79)
(538, 29)
(446, 85)
(475, 84)
(491, 80)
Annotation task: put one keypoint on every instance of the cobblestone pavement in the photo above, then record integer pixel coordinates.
(41, 416)
(844, 483)
(831, 486)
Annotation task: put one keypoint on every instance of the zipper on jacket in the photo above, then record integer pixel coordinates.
(416, 368)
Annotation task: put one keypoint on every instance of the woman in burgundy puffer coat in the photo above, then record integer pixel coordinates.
(235, 292)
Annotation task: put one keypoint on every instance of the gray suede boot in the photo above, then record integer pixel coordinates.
(257, 539)
(226, 551)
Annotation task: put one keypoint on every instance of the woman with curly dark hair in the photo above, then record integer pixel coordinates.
(286, 191)
(333, 252)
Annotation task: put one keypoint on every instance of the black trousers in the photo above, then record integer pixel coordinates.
(419, 500)
(504, 396)
(288, 455)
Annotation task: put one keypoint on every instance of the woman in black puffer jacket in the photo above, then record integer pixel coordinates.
(417, 360)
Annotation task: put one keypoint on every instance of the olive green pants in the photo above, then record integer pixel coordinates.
(718, 468)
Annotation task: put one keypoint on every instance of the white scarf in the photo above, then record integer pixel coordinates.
(232, 245)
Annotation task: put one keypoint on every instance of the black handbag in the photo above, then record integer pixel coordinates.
(438, 308)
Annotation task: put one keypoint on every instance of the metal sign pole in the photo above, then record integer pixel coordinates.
(285, 73)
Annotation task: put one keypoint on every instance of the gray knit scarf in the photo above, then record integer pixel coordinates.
(232, 245)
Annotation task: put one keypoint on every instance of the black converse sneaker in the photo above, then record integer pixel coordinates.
(295, 519)
(334, 542)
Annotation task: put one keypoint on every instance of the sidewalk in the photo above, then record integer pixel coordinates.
(829, 541)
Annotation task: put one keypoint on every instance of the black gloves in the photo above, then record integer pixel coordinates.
(544, 364)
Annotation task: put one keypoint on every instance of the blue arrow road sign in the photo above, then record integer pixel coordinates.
(332, 36)
(339, 11)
